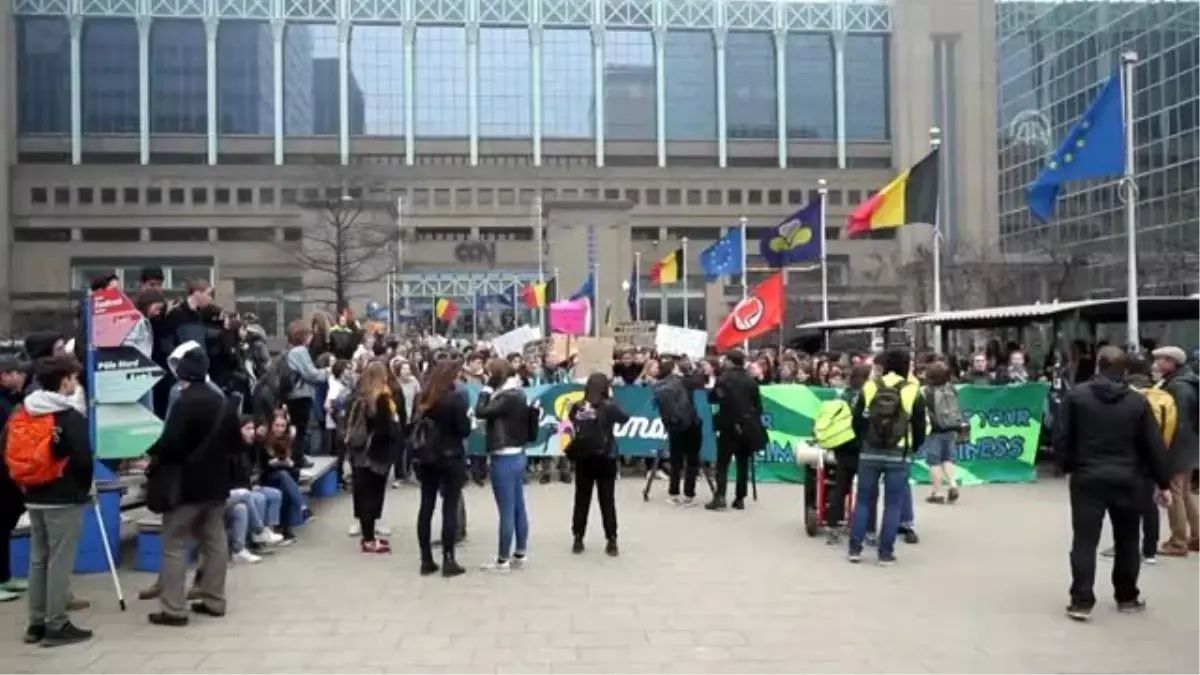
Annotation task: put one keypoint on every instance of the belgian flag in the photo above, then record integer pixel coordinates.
(668, 269)
(911, 197)
(445, 309)
(539, 294)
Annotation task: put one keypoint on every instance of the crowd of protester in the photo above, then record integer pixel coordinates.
(241, 425)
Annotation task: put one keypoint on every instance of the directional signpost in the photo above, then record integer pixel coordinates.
(123, 377)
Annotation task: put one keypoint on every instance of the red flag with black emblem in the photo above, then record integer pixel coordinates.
(758, 313)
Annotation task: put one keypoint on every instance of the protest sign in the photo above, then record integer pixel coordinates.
(595, 356)
(678, 341)
(570, 317)
(634, 333)
(514, 341)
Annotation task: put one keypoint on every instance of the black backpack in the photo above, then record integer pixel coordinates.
(423, 440)
(589, 438)
(675, 405)
(887, 421)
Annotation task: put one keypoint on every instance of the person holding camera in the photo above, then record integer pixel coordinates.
(593, 450)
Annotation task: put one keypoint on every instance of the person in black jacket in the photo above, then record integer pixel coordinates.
(1109, 442)
(199, 433)
(504, 410)
(685, 433)
(595, 453)
(738, 424)
(12, 502)
(441, 463)
(55, 507)
(373, 424)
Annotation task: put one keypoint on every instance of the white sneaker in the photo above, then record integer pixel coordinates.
(382, 530)
(244, 556)
(355, 529)
(395, 485)
(266, 537)
(518, 561)
(662, 475)
(686, 501)
(497, 566)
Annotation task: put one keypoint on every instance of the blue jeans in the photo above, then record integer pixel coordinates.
(269, 501)
(508, 486)
(237, 522)
(895, 486)
(254, 515)
(907, 516)
(290, 489)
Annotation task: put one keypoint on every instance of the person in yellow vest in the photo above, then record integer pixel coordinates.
(890, 423)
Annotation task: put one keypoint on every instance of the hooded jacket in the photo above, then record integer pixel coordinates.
(1183, 386)
(200, 432)
(75, 484)
(188, 363)
(1106, 432)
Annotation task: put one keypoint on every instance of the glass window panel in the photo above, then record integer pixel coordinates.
(441, 72)
(629, 86)
(377, 81)
(750, 86)
(109, 81)
(690, 65)
(245, 88)
(178, 79)
(310, 80)
(567, 84)
(505, 90)
(810, 87)
(867, 85)
(43, 75)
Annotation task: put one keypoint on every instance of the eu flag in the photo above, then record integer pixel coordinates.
(724, 256)
(1093, 148)
(587, 289)
(796, 239)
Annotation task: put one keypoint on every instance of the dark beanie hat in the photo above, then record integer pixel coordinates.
(192, 366)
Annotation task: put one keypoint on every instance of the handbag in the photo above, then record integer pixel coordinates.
(164, 487)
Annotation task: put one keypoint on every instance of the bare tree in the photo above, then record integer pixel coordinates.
(968, 278)
(348, 238)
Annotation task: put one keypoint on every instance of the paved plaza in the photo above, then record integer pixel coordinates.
(692, 592)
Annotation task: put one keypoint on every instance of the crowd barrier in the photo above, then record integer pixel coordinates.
(1006, 422)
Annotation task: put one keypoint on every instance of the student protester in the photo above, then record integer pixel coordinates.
(674, 397)
(49, 457)
(201, 431)
(279, 471)
(509, 425)
(1184, 451)
(738, 424)
(12, 502)
(593, 450)
(305, 377)
(372, 427)
(438, 442)
(1109, 443)
(845, 457)
(947, 426)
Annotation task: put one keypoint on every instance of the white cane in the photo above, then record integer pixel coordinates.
(112, 566)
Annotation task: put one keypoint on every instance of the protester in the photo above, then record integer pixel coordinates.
(440, 430)
(674, 397)
(947, 426)
(49, 457)
(372, 429)
(280, 471)
(1108, 441)
(509, 425)
(593, 450)
(304, 376)
(845, 453)
(738, 424)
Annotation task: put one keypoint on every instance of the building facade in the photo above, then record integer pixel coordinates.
(1052, 59)
(202, 136)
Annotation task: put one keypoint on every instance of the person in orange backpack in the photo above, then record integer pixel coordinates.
(48, 456)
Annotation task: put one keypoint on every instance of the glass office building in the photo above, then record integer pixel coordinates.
(1052, 59)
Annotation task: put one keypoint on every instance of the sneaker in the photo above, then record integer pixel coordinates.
(266, 537)
(9, 596)
(854, 557)
(307, 516)
(355, 529)
(717, 504)
(662, 475)
(201, 608)
(396, 484)
(288, 539)
(429, 567)
(935, 499)
(1150, 559)
(69, 634)
(1109, 552)
(383, 530)
(739, 504)
(909, 536)
(376, 546)
(544, 479)
(952, 496)
(1131, 607)
(887, 560)
(34, 633)
(686, 502)
(244, 556)
(519, 560)
(577, 545)
(611, 548)
(497, 566)
(1079, 613)
(170, 620)
(15, 585)
(674, 500)
(832, 537)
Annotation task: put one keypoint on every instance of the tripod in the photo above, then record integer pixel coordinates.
(658, 458)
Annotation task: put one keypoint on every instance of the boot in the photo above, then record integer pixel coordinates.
(450, 566)
(564, 477)
(428, 566)
(717, 504)
(611, 547)
(577, 545)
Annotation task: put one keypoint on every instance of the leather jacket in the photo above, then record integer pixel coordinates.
(506, 417)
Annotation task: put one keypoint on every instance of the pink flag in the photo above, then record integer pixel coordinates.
(570, 317)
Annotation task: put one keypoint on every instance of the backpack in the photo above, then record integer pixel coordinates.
(275, 385)
(589, 438)
(358, 433)
(946, 413)
(1166, 413)
(887, 421)
(675, 405)
(834, 426)
(423, 439)
(29, 449)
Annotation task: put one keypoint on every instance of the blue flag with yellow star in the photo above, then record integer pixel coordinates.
(796, 239)
(1093, 148)
(725, 256)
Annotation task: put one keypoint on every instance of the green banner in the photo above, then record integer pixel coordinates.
(1005, 425)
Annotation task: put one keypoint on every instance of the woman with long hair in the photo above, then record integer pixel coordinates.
(305, 377)
(406, 387)
(509, 426)
(279, 471)
(593, 448)
(440, 428)
(372, 426)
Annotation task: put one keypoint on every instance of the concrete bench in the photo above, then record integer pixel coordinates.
(320, 480)
(90, 556)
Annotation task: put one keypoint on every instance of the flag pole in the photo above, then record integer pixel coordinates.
(541, 263)
(683, 277)
(935, 143)
(745, 291)
(637, 286)
(475, 314)
(1129, 60)
(823, 192)
(595, 300)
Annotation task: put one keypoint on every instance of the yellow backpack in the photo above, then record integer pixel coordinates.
(1165, 412)
(834, 426)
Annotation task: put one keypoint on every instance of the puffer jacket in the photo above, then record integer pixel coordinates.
(506, 416)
